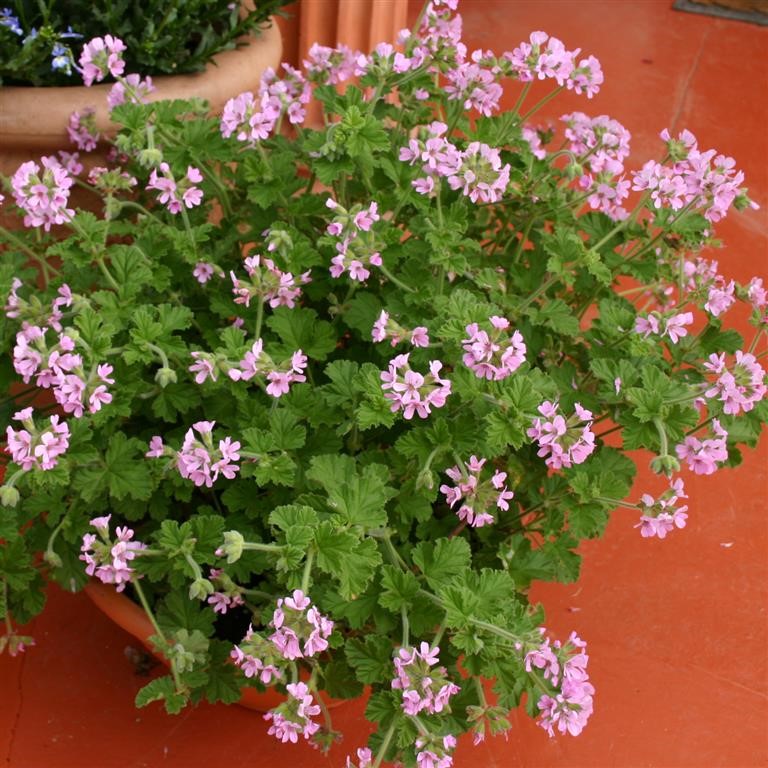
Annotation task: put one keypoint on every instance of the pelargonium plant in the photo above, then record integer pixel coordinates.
(326, 400)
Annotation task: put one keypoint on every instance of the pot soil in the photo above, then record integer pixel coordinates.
(131, 617)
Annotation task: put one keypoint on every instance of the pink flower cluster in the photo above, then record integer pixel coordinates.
(565, 667)
(132, 89)
(425, 687)
(477, 171)
(410, 391)
(439, 36)
(33, 448)
(293, 718)
(494, 355)
(34, 313)
(705, 181)
(300, 629)
(258, 657)
(108, 559)
(474, 85)
(386, 328)
(199, 460)
(356, 246)
(702, 282)
(228, 594)
(703, 456)
(60, 368)
(279, 377)
(331, 66)
(102, 57)
(563, 442)
(545, 57)
(741, 387)
(435, 751)
(674, 326)
(300, 632)
(43, 194)
(476, 497)
(267, 283)
(601, 145)
(176, 195)
(82, 130)
(253, 119)
(660, 516)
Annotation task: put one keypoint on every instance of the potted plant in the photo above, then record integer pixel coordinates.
(211, 50)
(324, 403)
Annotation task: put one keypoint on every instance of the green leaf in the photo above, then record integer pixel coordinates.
(359, 498)
(299, 328)
(122, 473)
(346, 558)
(555, 314)
(179, 612)
(161, 689)
(399, 588)
(371, 658)
(442, 561)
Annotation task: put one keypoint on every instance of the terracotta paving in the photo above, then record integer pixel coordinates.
(677, 628)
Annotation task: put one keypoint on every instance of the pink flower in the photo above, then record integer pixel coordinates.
(174, 194)
(109, 559)
(476, 497)
(496, 355)
(43, 194)
(412, 392)
(660, 516)
(100, 57)
(300, 630)
(739, 388)
(293, 718)
(675, 326)
(34, 448)
(563, 442)
(132, 89)
(203, 272)
(82, 130)
(425, 687)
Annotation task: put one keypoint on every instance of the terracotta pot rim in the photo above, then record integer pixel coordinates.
(227, 74)
(131, 617)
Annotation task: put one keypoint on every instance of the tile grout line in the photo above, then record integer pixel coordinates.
(686, 85)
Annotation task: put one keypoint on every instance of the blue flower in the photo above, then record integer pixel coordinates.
(61, 59)
(7, 19)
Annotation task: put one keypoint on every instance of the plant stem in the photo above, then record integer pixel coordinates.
(305, 577)
(259, 547)
(145, 605)
(406, 627)
(521, 97)
(259, 318)
(381, 754)
(539, 104)
(397, 282)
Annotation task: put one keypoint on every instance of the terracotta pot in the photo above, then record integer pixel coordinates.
(33, 121)
(130, 617)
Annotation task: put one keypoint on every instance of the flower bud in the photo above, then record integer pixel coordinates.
(200, 589)
(232, 548)
(149, 158)
(9, 496)
(165, 376)
(665, 465)
(52, 559)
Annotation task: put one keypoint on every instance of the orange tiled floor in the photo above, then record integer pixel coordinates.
(677, 628)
